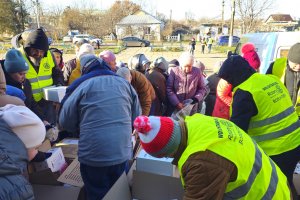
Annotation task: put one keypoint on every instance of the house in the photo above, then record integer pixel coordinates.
(280, 22)
(140, 24)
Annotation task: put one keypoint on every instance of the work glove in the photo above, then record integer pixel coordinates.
(51, 132)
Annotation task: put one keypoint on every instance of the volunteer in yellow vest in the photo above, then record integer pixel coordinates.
(216, 159)
(262, 107)
(43, 71)
(73, 63)
(288, 70)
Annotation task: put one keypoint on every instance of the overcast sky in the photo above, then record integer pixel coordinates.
(199, 8)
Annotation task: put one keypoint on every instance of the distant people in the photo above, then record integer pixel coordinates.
(43, 71)
(261, 106)
(210, 42)
(215, 158)
(83, 50)
(287, 70)
(203, 44)
(73, 63)
(110, 58)
(213, 81)
(139, 62)
(21, 133)
(185, 82)
(102, 110)
(156, 76)
(192, 46)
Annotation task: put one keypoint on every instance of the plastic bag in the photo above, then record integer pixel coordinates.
(187, 110)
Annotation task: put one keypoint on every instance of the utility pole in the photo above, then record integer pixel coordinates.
(222, 28)
(37, 13)
(231, 24)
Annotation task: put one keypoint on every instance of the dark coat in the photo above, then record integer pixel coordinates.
(26, 88)
(210, 100)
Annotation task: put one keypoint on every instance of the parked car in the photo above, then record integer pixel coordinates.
(68, 38)
(92, 39)
(224, 39)
(135, 42)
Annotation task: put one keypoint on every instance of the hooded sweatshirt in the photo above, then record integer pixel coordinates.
(37, 39)
(235, 70)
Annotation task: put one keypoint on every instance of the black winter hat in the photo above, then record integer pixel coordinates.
(294, 53)
(37, 39)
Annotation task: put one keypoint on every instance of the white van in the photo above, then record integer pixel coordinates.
(270, 46)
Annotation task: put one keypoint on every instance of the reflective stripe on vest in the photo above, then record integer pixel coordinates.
(42, 78)
(242, 190)
(276, 126)
(257, 175)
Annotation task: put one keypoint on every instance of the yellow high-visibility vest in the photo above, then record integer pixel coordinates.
(258, 177)
(42, 78)
(276, 127)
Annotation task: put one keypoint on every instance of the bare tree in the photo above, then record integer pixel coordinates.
(251, 12)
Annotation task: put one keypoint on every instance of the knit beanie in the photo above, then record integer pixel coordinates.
(294, 53)
(107, 56)
(14, 62)
(37, 39)
(85, 49)
(125, 73)
(159, 136)
(25, 124)
(249, 53)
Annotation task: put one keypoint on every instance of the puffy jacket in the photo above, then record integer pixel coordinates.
(13, 155)
(182, 86)
(143, 89)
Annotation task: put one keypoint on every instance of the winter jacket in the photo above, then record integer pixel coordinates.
(102, 108)
(210, 100)
(38, 39)
(26, 88)
(143, 89)
(223, 100)
(182, 86)
(14, 158)
(68, 68)
(158, 81)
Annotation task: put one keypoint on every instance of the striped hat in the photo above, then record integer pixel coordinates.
(159, 136)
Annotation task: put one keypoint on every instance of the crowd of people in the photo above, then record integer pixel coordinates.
(241, 139)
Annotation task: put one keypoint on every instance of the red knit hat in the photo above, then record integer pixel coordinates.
(249, 53)
(159, 136)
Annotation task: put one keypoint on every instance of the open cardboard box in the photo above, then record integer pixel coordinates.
(145, 186)
(49, 192)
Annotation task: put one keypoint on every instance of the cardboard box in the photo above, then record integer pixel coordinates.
(56, 162)
(48, 192)
(46, 146)
(72, 175)
(55, 94)
(69, 147)
(45, 177)
(146, 186)
(147, 163)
